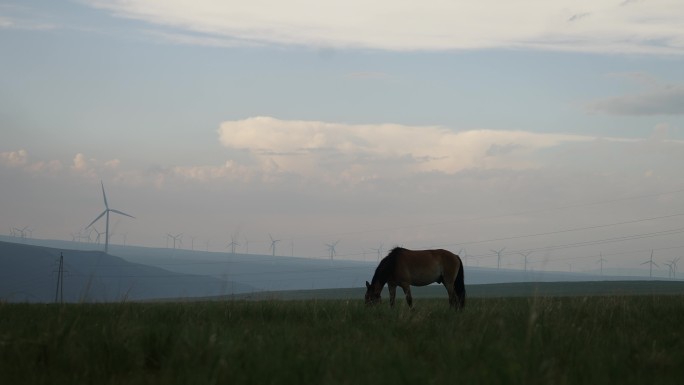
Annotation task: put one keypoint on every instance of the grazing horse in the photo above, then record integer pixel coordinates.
(403, 268)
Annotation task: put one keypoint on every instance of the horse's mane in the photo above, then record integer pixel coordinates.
(387, 265)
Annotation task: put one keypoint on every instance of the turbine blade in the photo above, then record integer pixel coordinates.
(104, 195)
(98, 217)
(122, 213)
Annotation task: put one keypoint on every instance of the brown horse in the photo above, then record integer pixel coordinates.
(403, 268)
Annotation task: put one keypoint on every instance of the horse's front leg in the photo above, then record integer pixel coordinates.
(407, 292)
(392, 293)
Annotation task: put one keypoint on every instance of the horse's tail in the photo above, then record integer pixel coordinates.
(459, 285)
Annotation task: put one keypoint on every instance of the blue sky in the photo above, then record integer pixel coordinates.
(318, 123)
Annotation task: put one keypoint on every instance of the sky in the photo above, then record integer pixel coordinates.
(553, 129)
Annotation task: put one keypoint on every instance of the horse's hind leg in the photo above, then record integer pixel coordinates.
(453, 298)
(392, 293)
(407, 292)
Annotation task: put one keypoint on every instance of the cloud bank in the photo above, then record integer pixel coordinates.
(266, 150)
(579, 25)
(356, 152)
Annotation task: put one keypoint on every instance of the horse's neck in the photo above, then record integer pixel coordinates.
(379, 281)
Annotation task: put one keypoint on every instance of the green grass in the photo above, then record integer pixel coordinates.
(496, 290)
(539, 340)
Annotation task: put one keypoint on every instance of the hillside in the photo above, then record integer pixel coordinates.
(29, 273)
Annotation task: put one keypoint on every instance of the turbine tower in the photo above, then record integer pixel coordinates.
(106, 213)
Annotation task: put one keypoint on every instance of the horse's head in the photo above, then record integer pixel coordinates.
(372, 294)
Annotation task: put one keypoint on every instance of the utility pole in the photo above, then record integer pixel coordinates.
(59, 291)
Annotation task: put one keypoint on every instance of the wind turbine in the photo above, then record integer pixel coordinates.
(273, 244)
(650, 264)
(99, 234)
(232, 245)
(106, 213)
(21, 231)
(379, 251)
(526, 255)
(498, 255)
(673, 263)
(175, 238)
(669, 269)
(601, 260)
(331, 248)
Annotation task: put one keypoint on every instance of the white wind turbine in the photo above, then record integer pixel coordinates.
(21, 232)
(175, 238)
(650, 264)
(379, 251)
(232, 245)
(99, 235)
(673, 263)
(273, 244)
(106, 213)
(331, 248)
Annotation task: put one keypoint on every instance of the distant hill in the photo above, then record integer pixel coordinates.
(29, 273)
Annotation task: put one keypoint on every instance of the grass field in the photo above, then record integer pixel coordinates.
(537, 340)
(497, 290)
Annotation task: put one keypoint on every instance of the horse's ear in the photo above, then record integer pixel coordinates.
(367, 285)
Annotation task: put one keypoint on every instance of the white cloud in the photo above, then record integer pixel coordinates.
(352, 153)
(14, 158)
(112, 164)
(81, 165)
(20, 159)
(230, 171)
(90, 167)
(577, 25)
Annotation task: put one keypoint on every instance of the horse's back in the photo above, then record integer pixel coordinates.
(423, 267)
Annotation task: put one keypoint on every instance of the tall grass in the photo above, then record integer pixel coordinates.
(517, 341)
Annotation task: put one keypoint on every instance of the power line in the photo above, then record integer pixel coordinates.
(563, 231)
(526, 212)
